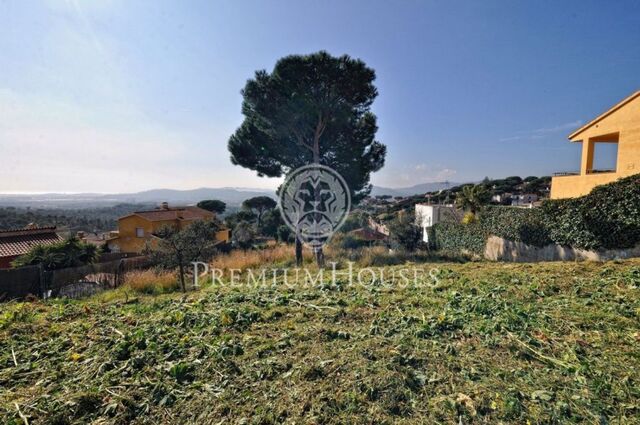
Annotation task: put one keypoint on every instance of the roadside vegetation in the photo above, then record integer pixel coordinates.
(471, 343)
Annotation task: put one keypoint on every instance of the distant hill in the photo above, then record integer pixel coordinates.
(231, 196)
(418, 189)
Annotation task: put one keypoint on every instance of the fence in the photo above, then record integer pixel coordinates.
(71, 282)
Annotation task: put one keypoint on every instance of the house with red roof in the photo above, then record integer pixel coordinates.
(17, 242)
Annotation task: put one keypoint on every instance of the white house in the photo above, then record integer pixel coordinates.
(526, 199)
(428, 215)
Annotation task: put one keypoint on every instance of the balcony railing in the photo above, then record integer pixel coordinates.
(566, 173)
(592, 171)
(604, 170)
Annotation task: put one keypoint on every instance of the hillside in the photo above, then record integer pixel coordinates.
(488, 343)
(418, 189)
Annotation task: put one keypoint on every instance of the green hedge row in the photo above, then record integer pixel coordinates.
(516, 224)
(607, 218)
(458, 237)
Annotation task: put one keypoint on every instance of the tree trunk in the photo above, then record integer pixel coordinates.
(319, 257)
(182, 284)
(298, 251)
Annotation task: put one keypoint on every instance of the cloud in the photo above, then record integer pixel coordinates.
(540, 133)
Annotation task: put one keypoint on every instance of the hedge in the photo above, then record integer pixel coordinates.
(458, 237)
(516, 224)
(607, 218)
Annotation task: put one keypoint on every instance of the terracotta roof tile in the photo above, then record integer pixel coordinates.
(180, 213)
(16, 242)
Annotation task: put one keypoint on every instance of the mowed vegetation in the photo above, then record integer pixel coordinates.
(482, 343)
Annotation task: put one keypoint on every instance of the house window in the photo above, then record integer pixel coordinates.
(139, 232)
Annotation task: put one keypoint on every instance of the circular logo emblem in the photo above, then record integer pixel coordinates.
(314, 201)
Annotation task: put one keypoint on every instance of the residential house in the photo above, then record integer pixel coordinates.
(502, 198)
(429, 215)
(525, 199)
(138, 231)
(17, 242)
(619, 125)
(372, 231)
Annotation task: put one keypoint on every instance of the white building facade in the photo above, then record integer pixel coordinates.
(428, 215)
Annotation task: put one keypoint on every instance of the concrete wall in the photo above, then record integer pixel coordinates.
(499, 249)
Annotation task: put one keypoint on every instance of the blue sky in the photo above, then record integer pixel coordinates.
(121, 96)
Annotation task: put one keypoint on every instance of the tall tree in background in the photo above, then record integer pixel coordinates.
(213, 205)
(259, 205)
(311, 109)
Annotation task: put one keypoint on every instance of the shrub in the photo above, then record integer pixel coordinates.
(516, 224)
(469, 218)
(68, 253)
(346, 241)
(285, 234)
(243, 235)
(457, 237)
(403, 231)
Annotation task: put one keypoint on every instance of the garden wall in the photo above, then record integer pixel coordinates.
(500, 249)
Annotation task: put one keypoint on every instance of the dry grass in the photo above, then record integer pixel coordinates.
(151, 282)
(242, 260)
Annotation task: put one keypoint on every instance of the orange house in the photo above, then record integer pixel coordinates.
(620, 125)
(137, 231)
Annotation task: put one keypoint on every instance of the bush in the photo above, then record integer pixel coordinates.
(516, 224)
(403, 231)
(457, 237)
(68, 253)
(347, 241)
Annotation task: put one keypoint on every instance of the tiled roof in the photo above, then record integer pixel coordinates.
(180, 213)
(368, 234)
(16, 242)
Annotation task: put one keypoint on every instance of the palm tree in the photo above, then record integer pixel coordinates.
(473, 198)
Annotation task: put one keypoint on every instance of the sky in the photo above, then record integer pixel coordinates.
(123, 96)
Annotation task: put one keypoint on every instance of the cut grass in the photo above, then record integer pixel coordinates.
(490, 343)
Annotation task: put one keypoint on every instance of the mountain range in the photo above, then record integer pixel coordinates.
(232, 196)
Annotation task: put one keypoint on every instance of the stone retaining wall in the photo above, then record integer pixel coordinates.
(499, 249)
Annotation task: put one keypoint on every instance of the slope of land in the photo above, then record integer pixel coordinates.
(489, 343)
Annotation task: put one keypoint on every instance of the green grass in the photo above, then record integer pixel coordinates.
(490, 343)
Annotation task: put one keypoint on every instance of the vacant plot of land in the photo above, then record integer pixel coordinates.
(488, 343)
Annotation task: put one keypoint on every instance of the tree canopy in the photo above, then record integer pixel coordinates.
(259, 205)
(213, 205)
(178, 248)
(311, 109)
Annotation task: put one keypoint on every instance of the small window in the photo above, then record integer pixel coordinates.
(139, 232)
